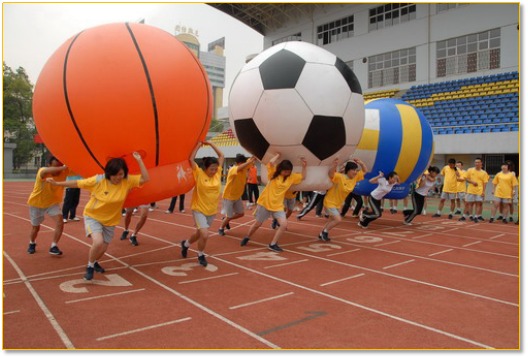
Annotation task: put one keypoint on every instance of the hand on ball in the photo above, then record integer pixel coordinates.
(136, 155)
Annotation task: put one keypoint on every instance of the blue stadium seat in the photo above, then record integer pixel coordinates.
(477, 130)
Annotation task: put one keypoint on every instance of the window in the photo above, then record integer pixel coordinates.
(391, 14)
(470, 53)
(493, 163)
(335, 30)
(296, 37)
(392, 68)
(447, 6)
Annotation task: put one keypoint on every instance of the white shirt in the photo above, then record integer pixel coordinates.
(424, 190)
(383, 188)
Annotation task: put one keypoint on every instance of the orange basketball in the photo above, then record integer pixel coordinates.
(119, 88)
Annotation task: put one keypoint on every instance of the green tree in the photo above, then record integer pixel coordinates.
(18, 122)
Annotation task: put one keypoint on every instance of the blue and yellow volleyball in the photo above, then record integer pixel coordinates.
(396, 137)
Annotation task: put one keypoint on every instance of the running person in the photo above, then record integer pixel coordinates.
(476, 190)
(343, 185)
(385, 185)
(461, 188)
(271, 201)
(420, 193)
(102, 212)
(235, 186)
(204, 205)
(451, 178)
(504, 185)
(45, 199)
(315, 202)
(143, 214)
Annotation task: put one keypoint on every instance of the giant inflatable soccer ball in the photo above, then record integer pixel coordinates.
(397, 137)
(115, 89)
(298, 100)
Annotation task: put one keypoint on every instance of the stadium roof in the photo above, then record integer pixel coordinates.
(263, 17)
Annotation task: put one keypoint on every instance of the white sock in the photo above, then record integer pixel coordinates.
(450, 212)
(437, 212)
(186, 244)
(200, 254)
(30, 242)
(53, 244)
(324, 230)
(90, 264)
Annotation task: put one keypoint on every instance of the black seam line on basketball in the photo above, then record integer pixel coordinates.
(151, 89)
(65, 87)
(206, 85)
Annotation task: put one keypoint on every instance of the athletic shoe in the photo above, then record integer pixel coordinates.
(517, 223)
(124, 235)
(505, 221)
(475, 220)
(393, 211)
(491, 220)
(228, 226)
(75, 219)
(221, 231)
(327, 215)
(31, 249)
(458, 213)
(319, 216)
(381, 209)
(480, 218)
(407, 223)
(64, 220)
(89, 273)
(244, 241)
(362, 226)
(462, 219)
(133, 240)
(299, 218)
(99, 269)
(55, 251)
(511, 219)
(184, 249)
(355, 216)
(450, 216)
(275, 248)
(168, 212)
(499, 218)
(202, 261)
(274, 224)
(324, 236)
(436, 215)
(424, 213)
(182, 211)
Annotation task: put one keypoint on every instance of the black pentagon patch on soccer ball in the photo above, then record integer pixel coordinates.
(250, 137)
(325, 136)
(281, 71)
(349, 76)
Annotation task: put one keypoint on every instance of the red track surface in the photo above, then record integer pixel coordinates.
(458, 286)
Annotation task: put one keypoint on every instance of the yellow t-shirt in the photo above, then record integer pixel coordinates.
(206, 192)
(272, 198)
(342, 187)
(505, 184)
(290, 194)
(106, 199)
(236, 182)
(45, 195)
(461, 185)
(450, 179)
(481, 177)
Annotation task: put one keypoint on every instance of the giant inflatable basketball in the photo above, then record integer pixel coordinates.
(397, 137)
(302, 101)
(114, 89)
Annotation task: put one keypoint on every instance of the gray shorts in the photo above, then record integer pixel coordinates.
(37, 214)
(461, 195)
(448, 196)
(201, 221)
(138, 207)
(474, 198)
(289, 203)
(332, 211)
(232, 206)
(262, 214)
(502, 200)
(94, 226)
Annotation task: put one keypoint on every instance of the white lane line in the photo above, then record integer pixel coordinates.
(422, 236)
(443, 251)
(259, 301)
(11, 312)
(395, 265)
(42, 305)
(283, 264)
(143, 329)
(382, 244)
(337, 281)
(103, 296)
(467, 245)
(348, 251)
(497, 236)
(210, 278)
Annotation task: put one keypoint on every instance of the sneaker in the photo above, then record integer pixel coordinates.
(75, 219)
(202, 261)
(299, 218)
(221, 231)
(355, 216)
(462, 219)
(475, 220)
(31, 249)
(324, 236)
(182, 211)
(133, 240)
(228, 226)
(319, 216)
(124, 235)
(244, 241)
(436, 215)
(480, 218)
(511, 219)
(407, 223)
(450, 216)
(184, 249)
(517, 223)
(64, 220)
(55, 251)
(491, 220)
(499, 218)
(424, 213)
(275, 248)
(275, 224)
(505, 221)
(362, 226)
(458, 213)
(89, 273)
(393, 211)
(168, 212)
(326, 215)
(99, 269)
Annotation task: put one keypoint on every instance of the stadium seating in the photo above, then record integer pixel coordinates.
(227, 138)
(472, 105)
(380, 94)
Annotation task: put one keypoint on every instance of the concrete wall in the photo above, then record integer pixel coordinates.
(485, 143)
(8, 157)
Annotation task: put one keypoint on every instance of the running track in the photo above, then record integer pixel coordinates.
(439, 284)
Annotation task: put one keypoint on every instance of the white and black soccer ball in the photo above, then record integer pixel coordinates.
(302, 101)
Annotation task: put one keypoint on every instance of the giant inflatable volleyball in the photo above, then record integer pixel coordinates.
(115, 89)
(298, 100)
(397, 137)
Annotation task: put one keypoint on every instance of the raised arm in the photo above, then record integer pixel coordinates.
(273, 161)
(193, 155)
(333, 168)
(376, 178)
(144, 172)
(304, 164)
(52, 170)
(361, 164)
(219, 152)
(246, 164)
(68, 184)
